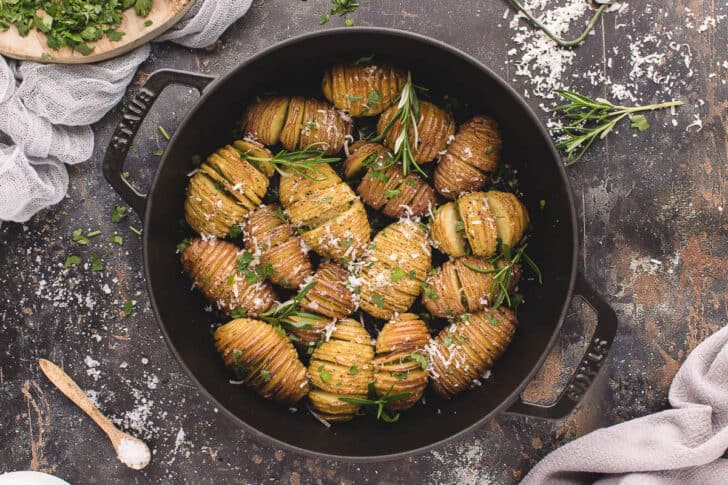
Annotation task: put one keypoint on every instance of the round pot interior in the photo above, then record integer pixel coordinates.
(296, 67)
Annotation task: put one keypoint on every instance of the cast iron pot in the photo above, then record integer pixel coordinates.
(293, 67)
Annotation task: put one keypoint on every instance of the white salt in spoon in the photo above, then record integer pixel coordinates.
(132, 451)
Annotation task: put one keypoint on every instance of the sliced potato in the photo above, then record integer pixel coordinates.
(264, 119)
(447, 230)
(471, 158)
(435, 127)
(401, 363)
(394, 271)
(341, 367)
(479, 223)
(210, 264)
(254, 149)
(363, 154)
(363, 90)
(263, 358)
(511, 217)
(270, 236)
(330, 296)
(462, 352)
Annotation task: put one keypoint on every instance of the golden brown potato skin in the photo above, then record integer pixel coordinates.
(470, 159)
(435, 127)
(265, 232)
(264, 119)
(462, 352)
(363, 90)
(476, 221)
(341, 366)
(222, 191)
(394, 194)
(210, 265)
(359, 152)
(395, 371)
(394, 271)
(332, 221)
(263, 358)
(330, 296)
(457, 289)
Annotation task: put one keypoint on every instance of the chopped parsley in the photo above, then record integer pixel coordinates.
(265, 374)
(278, 212)
(96, 263)
(391, 193)
(420, 359)
(116, 239)
(235, 231)
(325, 375)
(400, 376)
(397, 274)
(374, 98)
(256, 274)
(363, 60)
(429, 292)
(489, 150)
(378, 300)
(196, 160)
(183, 245)
(128, 307)
(353, 370)
(136, 231)
(72, 260)
(118, 213)
(352, 99)
(459, 226)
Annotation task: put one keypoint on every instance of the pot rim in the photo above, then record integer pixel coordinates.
(506, 403)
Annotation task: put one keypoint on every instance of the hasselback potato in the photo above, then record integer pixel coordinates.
(330, 296)
(401, 362)
(435, 127)
(211, 265)
(395, 269)
(263, 358)
(363, 90)
(341, 367)
(225, 188)
(330, 218)
(297, 123)
(268, 233)
(470, 159)
(384, 187)
(475, 222)
(328, 299)
(455, 288)
(462, 352)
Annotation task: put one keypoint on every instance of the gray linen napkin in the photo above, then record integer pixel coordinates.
(683, 445)
(46, 110)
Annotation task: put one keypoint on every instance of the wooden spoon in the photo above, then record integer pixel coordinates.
(132, 451)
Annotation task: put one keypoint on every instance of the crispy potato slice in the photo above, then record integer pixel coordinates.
(435, 127)
(511, 217)
(330, 296)
(479, 223)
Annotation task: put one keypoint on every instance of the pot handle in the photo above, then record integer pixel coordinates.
(131, 120)
(590, 364)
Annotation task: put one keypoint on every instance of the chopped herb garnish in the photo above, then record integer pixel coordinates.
(397, 274)
(255, 274)
(420, 359)
(542, 204)
(302, 162)
(237, 354)
(412, 181)
(459, 226)
(348, 22)
(363, 59)
(72, 260)
(116, 239)
(400, 376)
(235, 231)
(265, 375)
(148, 23)
(96, 263)
(128, 307)
(230, 279)
(353, 370)
(429, 292)
(136, 231)
(79, 237)
(239, 312)
(374, 98)
(502, 273)
(391, 193)
(378, 405)
(183, 245)
(125, 175)
(378, 300)
(159, 152)
(352, 99)
(412, 274)
(163, 132)
(118, 213)
(325, 375)
(278, 212)
(489, 150)
(340, 8)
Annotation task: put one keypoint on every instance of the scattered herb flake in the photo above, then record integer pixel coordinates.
(72, 260)
(128, 307)
(397, 274)
(118, 213)
(116, 239)
(136, 231)
(96, 263)
(378, 300)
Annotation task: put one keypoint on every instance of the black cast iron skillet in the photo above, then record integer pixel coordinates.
(293, 67)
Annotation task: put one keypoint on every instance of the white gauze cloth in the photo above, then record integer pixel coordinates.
(46, 110)
(683, 445)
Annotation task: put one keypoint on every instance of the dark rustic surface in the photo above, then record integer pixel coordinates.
(655, 241)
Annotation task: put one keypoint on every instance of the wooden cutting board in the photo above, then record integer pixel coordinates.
(164, 14)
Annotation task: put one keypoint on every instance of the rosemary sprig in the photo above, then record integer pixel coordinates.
(301, 162)
(603, 5)
(504, 263)
(379, 404)
(283, 313)
(408, 115)
(595, 118)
